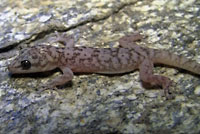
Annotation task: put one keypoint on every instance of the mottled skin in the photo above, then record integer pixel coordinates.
(100, 60)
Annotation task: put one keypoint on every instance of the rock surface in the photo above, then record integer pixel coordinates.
(96, 103)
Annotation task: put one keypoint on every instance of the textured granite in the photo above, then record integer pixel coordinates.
(98, 103)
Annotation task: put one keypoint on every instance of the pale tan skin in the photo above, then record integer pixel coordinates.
(100, 60)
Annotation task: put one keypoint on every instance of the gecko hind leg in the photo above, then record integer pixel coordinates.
(58, 81)
(129, 41)
(147, 76)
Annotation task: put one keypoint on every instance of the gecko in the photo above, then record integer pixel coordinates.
(126, 58)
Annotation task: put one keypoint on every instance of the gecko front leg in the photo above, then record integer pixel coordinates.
(64, 78)
(62, 38)
(60, 80)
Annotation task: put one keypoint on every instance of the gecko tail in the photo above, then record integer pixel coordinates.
(179, 61)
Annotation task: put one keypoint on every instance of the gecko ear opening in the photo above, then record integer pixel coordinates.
(25, 64)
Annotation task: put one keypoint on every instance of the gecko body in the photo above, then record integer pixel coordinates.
(100, 60)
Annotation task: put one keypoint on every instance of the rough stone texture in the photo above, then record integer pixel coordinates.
(97, 103)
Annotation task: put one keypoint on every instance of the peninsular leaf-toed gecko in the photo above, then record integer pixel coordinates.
(127, 58)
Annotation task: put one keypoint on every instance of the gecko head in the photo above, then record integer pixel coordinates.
(31, 60)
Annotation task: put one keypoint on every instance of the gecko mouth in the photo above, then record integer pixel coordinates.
(11, 70)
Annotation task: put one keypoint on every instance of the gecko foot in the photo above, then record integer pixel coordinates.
(147, 76)
(62, 38)
(44, 87)
(168, 89)
(130, 40)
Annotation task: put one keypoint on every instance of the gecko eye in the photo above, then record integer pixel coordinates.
(25, 64)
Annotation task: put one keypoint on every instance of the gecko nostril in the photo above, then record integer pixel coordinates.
(8, 68)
